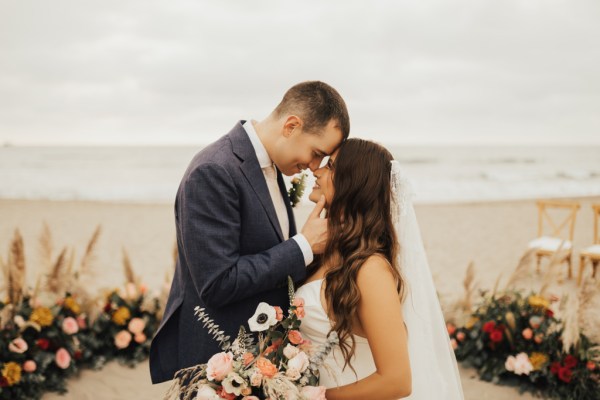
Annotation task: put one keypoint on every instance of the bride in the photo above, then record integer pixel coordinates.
(373, 287)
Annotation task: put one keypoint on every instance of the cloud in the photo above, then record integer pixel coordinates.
(412, 71)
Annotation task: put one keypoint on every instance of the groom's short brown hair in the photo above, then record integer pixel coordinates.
(316, 103)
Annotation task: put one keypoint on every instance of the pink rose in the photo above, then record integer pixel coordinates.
(136, 325)
(299, 304)
(278, 313)
(62, 358)
(451, 328)
(460, 336)
(29, 366)
(454, 344)
(18, 345)
(527, 333)
(295, 337)
(81, 321)
(140, 338)
(122, 339)
(300, 362)
(219, 366)
(70, 326)
(313, 392)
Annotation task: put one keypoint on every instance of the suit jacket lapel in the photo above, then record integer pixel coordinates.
(288, 204)
(242, 147)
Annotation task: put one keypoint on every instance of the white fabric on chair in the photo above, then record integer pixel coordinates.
(595, 249)
(549, 243)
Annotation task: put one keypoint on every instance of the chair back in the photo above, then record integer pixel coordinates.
(567, 210)
(596, 208)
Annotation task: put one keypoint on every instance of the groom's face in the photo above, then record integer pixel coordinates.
(298, 150)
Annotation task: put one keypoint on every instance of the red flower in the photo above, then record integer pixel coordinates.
(496, 336)
(3, 382)
(570, 362)
(565, 374)
(549, 313)
(77, 355)
(224, 395)
(555, 367)
(107, 307)
(43, 344)
(489, 326)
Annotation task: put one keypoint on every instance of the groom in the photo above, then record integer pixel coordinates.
(236, 233)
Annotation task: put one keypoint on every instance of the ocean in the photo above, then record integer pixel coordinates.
(438, 174)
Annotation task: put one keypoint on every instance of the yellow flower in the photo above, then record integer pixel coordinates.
(121, 316)
(72, 305)
(12, 373)
(471, 322)
(538, 360)
(538, 302)
(42, 316)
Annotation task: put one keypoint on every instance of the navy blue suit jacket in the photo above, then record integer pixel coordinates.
(231, 257)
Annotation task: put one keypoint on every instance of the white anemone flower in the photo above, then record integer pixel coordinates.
(234, 384)
(264, 317)
(206, 392)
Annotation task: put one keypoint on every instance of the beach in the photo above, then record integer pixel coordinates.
(492, 235)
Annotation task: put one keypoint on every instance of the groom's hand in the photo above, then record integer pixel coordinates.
(315, 228)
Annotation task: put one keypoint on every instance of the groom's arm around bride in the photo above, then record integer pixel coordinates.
(236, 234)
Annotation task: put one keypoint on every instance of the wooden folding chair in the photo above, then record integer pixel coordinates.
(591, 253)
(560, 237)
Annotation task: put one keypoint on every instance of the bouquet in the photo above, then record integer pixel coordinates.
(281, 365)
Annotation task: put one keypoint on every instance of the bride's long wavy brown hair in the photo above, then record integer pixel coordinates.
(360, 225)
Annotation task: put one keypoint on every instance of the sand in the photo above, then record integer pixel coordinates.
(492, 235)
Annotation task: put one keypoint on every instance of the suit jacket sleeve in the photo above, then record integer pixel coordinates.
(210, 224)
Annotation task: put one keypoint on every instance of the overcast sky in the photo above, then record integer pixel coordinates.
(412, 72)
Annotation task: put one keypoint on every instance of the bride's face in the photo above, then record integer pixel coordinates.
(324, 183)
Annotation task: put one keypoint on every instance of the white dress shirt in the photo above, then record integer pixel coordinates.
(265, 162)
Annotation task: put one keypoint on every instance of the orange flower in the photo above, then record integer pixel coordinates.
(295, 337)
(266, 367)
(248, 358)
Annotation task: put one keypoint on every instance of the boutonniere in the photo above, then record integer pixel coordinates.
(297, 190)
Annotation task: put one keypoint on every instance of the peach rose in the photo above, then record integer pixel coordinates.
(451, 328)
(290, 351)
(300, 362)
(136, 325)
(279, 313)
(122, 339)
(313, 392)
(539, 338)
(299, 304)
(62, 358)
(527, 333)
(256, 378)
(590, 365)
(140, 338)
(70, 326)
(81, 321)
(460, 336)
(295, 337)
(29, 366)
(454, 344)
(248, 358)
(266, 367)
(18, 345)
(219, 366)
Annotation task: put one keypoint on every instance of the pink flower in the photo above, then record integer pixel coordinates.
(520, 364)
(454, 344)
(279, 313)
(140, 338)
(295, 337)
(29, 366)
(290, 351)
(527, 333)
(18, 345)
(70, 326)
(219, 366)
(313, 392)
(143, 288)
(299, 304)
(122, 339)
(460, 336)
(451, 328)
(62, 358)
(300, 362)
(535, 321)
(81, 321)
(136, 325)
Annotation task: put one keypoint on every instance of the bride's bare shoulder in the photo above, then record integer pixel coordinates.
(376, 269)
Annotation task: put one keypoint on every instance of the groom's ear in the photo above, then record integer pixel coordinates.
(292, 124)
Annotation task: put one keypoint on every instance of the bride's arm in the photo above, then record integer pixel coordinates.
(380, 314)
